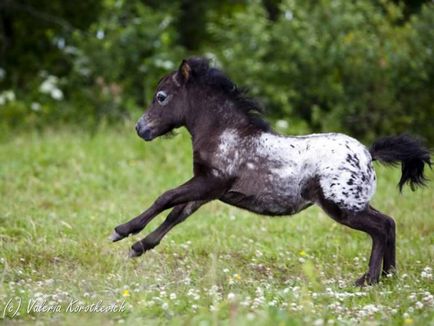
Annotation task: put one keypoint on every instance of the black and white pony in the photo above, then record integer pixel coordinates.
(240, 161)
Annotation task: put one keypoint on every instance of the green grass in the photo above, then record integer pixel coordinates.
(63, 191)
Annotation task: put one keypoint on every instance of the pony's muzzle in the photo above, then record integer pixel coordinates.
(144, 131)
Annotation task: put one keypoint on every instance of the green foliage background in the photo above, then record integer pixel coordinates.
(361, 67)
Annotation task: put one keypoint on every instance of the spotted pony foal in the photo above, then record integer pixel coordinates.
(237, 159)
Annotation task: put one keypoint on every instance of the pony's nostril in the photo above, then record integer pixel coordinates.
(146, 134)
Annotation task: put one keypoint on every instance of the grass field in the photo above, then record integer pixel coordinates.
(63, 191)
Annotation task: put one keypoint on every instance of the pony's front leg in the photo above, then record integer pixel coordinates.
(176, 216)
(199, 188)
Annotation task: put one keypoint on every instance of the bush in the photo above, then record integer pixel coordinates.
(114, 67)
(117, 63)
(361, 67)
(339, 65)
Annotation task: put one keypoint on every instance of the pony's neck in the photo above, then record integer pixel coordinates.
(213, 117)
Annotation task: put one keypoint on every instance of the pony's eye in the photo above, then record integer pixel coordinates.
(161, 97)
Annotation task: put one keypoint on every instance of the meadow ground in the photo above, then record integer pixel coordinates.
(63, 191)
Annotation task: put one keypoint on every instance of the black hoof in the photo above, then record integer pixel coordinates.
(133, 253)
(365, 280)
(115, 237)
(361, 282)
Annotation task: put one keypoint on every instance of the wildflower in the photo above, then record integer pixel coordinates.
(172, 296)
(408, 321)
(237, 277)
(426, 273)
(125, 293)
(419, 305)
(302, 253)
(231, 296)
(428, 298)
(412, 297)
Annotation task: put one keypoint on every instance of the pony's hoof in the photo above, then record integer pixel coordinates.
(132, 253)
(366, 280)
(115, 237)
(361, 282)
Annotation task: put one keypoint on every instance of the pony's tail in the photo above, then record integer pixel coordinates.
(410, 151)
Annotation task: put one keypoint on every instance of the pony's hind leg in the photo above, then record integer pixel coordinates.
(368, 220)
(373, 224)
(389, 260)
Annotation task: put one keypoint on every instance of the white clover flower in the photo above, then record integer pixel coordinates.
(172, 296)
(428, 298)
(231, 296)
(187, 280)
(412, 297)
(419, 305)
(426, 273)
(318, 322)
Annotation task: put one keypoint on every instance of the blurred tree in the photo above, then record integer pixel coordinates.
(364, 67)
(34, 32)
(411, 6)
(338, 65)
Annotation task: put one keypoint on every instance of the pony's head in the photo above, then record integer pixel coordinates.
(187, 92)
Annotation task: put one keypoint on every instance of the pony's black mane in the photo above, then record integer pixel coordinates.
(204, 74)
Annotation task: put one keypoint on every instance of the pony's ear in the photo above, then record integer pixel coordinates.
(184, 73)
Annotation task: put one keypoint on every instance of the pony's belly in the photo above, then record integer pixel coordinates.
(266, 204)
